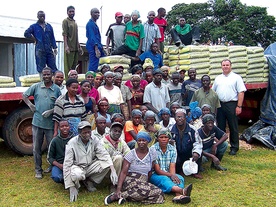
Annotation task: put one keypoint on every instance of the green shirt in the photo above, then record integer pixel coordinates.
(133, 35)
(70, 29)
(183, 30)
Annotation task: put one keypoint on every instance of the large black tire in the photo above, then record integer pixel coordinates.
(17, 131)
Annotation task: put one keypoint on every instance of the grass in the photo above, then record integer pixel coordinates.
(249, 181)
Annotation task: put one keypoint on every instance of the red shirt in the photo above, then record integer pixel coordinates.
(161, 23)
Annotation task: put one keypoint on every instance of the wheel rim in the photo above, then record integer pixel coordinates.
(24, 131)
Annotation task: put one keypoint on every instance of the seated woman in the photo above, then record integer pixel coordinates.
(164, 175)
(98, 80)
(117, 117)
(137, 92)
(206, 109)
(167, 121)
(133, 184)
(173, 107)
(90, 103)
(103, 106)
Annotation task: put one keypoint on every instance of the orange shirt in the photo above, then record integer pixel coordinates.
(129, 126)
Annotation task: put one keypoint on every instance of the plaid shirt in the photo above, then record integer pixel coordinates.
(165, 159)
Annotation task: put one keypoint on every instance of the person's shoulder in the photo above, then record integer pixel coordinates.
(73, 141)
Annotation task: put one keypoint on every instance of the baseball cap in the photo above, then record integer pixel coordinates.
(84, 124)
(119, 14)
(117, 67)
(116, 124)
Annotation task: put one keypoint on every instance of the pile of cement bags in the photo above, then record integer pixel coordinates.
(6, 82)
(28, 80)
(248, 62)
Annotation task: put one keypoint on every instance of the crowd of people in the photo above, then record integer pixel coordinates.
(137, 134)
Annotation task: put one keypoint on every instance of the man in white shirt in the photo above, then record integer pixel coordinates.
(230, 89)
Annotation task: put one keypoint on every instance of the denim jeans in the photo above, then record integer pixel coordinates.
(38, 138)
(57, 175)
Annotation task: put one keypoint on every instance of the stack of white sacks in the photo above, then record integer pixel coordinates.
(116, 60)
(249, 62)
(6, 82)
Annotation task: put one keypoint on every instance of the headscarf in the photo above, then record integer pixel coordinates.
(70, 81)
(136, 12)
(164, 131)
(117, 75)
(157, 71)
(90, 73)
(99, 74)
(70, 71)
(134, 76)
(136, 112)
(206, 105)
(207, 117)
(164, 67)
(143, 135)
(148, 62)
(180, 110)
(149, 113)
(195, 110)
(174, 103)
(164, 111)
(109, 73)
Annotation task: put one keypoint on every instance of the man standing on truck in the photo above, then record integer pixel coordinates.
(72, 46)
(230, 89)
(45, 94)
(42, 34)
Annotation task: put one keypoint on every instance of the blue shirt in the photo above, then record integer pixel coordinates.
(93, 36)
(156, 59)
(190, 87)
(45, 39)
(44, 99)
(165, 159)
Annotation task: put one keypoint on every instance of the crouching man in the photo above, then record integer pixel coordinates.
(86, 160)
(116, 147)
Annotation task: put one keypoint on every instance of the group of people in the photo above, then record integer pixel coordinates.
(138, 132)
(142, 147)
(128, 37)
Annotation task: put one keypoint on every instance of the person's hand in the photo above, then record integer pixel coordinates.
(175, 179)
(55, 51)
(138, 53)
(32, 107)
(214, 149)
(67, 50)
(47, 113)
(118, 193)
(60, 166)
(215, 160)
(113, 176)
(238, 111)
(98, 53)
(195, 157)
(80, 51)
(73, 194)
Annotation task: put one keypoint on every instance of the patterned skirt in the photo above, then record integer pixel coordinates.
(137, 188)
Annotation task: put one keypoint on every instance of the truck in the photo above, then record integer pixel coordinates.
(16, 117)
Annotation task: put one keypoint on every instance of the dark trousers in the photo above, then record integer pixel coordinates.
(126, 51)
(227, 111)
(187, 38)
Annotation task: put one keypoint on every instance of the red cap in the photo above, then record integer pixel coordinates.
(119, 14)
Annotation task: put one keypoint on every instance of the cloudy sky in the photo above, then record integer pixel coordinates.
(55, 10)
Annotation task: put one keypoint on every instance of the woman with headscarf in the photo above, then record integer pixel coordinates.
(126, 93)
(103, 107)
(164, 175)
(98, 80)
(112, 93)
(173, 107)
(206, 109)
(133, 183)
(167, 121)
(138, 70)
(137, 92)
(150, 126)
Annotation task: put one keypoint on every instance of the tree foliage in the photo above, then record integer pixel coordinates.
(227, 19)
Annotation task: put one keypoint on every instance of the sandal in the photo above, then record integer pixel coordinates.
(187, 191)
(182, 199)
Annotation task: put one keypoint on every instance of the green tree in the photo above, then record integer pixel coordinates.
(227, 19)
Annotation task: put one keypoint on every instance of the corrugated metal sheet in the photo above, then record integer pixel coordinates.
(15, 27)
(24, 60)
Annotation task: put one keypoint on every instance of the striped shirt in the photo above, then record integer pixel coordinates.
(65, 109)
(152, 32)
(140, 166)
(165, 159)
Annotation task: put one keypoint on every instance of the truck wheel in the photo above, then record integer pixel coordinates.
(17, 131)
